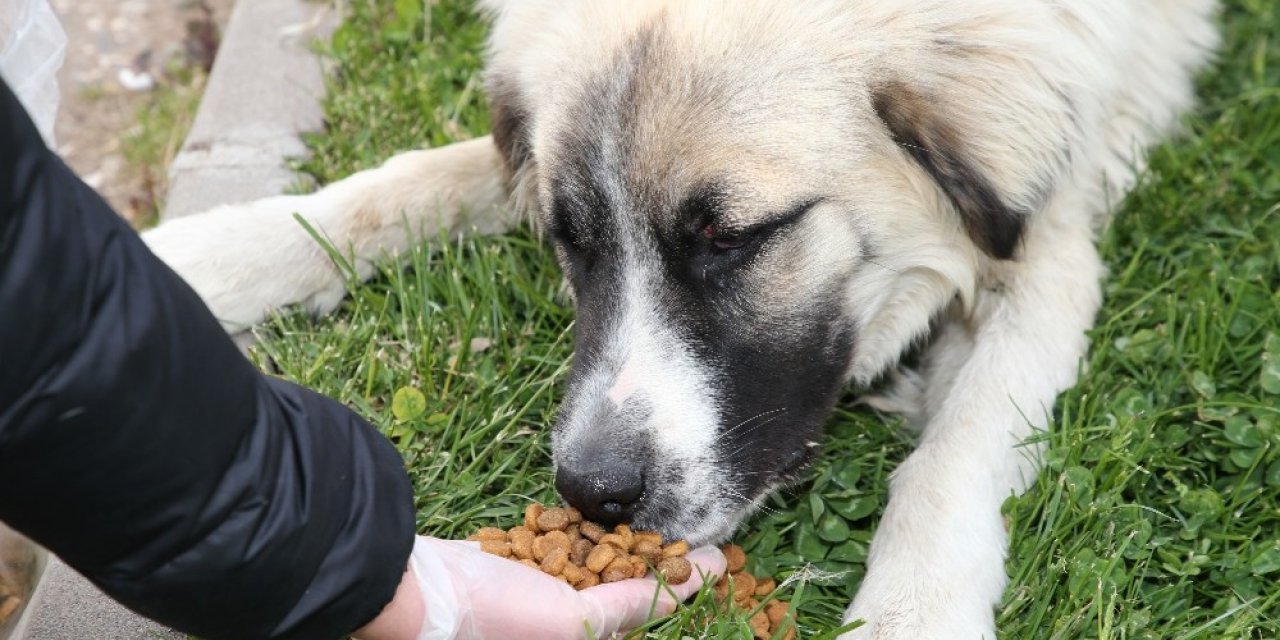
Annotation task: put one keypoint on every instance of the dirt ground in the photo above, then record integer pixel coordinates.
(113, 48)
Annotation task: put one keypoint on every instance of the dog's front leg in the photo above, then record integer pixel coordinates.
(246, 260)
(936, 567)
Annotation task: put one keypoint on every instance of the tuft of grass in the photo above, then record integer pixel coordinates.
(150, 146)
(165, 114)
(1157, 514)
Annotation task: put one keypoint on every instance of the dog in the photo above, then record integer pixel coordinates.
(756, 204)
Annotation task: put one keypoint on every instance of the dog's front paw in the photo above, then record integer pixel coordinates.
(247, 260)
(936, 566)
(902, 609)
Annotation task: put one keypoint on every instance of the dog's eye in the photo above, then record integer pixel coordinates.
(724, 242)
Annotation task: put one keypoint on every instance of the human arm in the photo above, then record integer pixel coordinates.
(142, 448)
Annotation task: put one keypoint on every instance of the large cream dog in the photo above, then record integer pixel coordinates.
(758, 202)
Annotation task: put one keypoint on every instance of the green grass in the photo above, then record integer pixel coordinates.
(1158, 511)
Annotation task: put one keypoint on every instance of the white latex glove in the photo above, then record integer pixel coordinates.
(472, 595)
(32, 44)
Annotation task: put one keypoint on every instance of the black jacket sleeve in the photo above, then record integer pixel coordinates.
(142, 448)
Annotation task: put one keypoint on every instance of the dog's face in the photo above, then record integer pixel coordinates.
(709, 267)
(742, 235)
(711, 335)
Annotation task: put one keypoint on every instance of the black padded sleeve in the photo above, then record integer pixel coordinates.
(142, 448)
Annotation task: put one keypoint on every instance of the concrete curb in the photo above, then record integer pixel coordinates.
(264, 91)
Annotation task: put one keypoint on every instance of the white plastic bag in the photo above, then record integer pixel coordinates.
(32, 45)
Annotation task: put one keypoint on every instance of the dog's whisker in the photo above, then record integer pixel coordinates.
(757, 503)
(747, 432)
(735, 427)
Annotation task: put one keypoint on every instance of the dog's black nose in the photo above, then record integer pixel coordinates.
(607, 493)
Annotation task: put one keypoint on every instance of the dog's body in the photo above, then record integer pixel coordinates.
(757, 202)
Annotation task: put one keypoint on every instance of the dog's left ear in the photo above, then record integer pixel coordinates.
(509, 122)
(920, 126)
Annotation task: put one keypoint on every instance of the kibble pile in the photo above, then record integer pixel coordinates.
(557, 541)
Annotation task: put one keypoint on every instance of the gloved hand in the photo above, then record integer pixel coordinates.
(472, 595)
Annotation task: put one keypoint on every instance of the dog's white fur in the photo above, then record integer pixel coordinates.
(1012, 332)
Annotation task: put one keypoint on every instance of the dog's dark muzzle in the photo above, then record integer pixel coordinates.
(607, 489)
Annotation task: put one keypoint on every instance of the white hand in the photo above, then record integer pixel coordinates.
(472, 595)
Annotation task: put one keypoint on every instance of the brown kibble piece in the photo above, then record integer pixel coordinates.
(531, 564)
(591, 531)
(722, 587)
(777, 610)
(600, 557)
(555, 561)
(522, 543)
(581, 549)
(489, 533)
(625, 532)
(574, 573)
(650, 536)
(541, 545)
(765, 586)
(790, 633)
(558, 539)
(573, 532)
(646, 549)
(575, 516)
(744, 586)
(616, 540)
(497, 548)
(531, 514)
(677, 548)
(589, 580)
(638, 567)
(736, 557)
(619, 569)
(675, 570)
(553, 520)
(759, 626)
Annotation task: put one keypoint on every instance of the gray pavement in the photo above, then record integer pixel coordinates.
(265, 89)
(65, 606)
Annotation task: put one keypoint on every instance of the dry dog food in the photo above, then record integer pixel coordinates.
(744, 589)
(560, 543)
(557, 541)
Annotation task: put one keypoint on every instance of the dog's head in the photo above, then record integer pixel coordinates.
(748, 215)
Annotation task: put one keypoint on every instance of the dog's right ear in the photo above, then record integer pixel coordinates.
(919, 126)
(509, 120)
